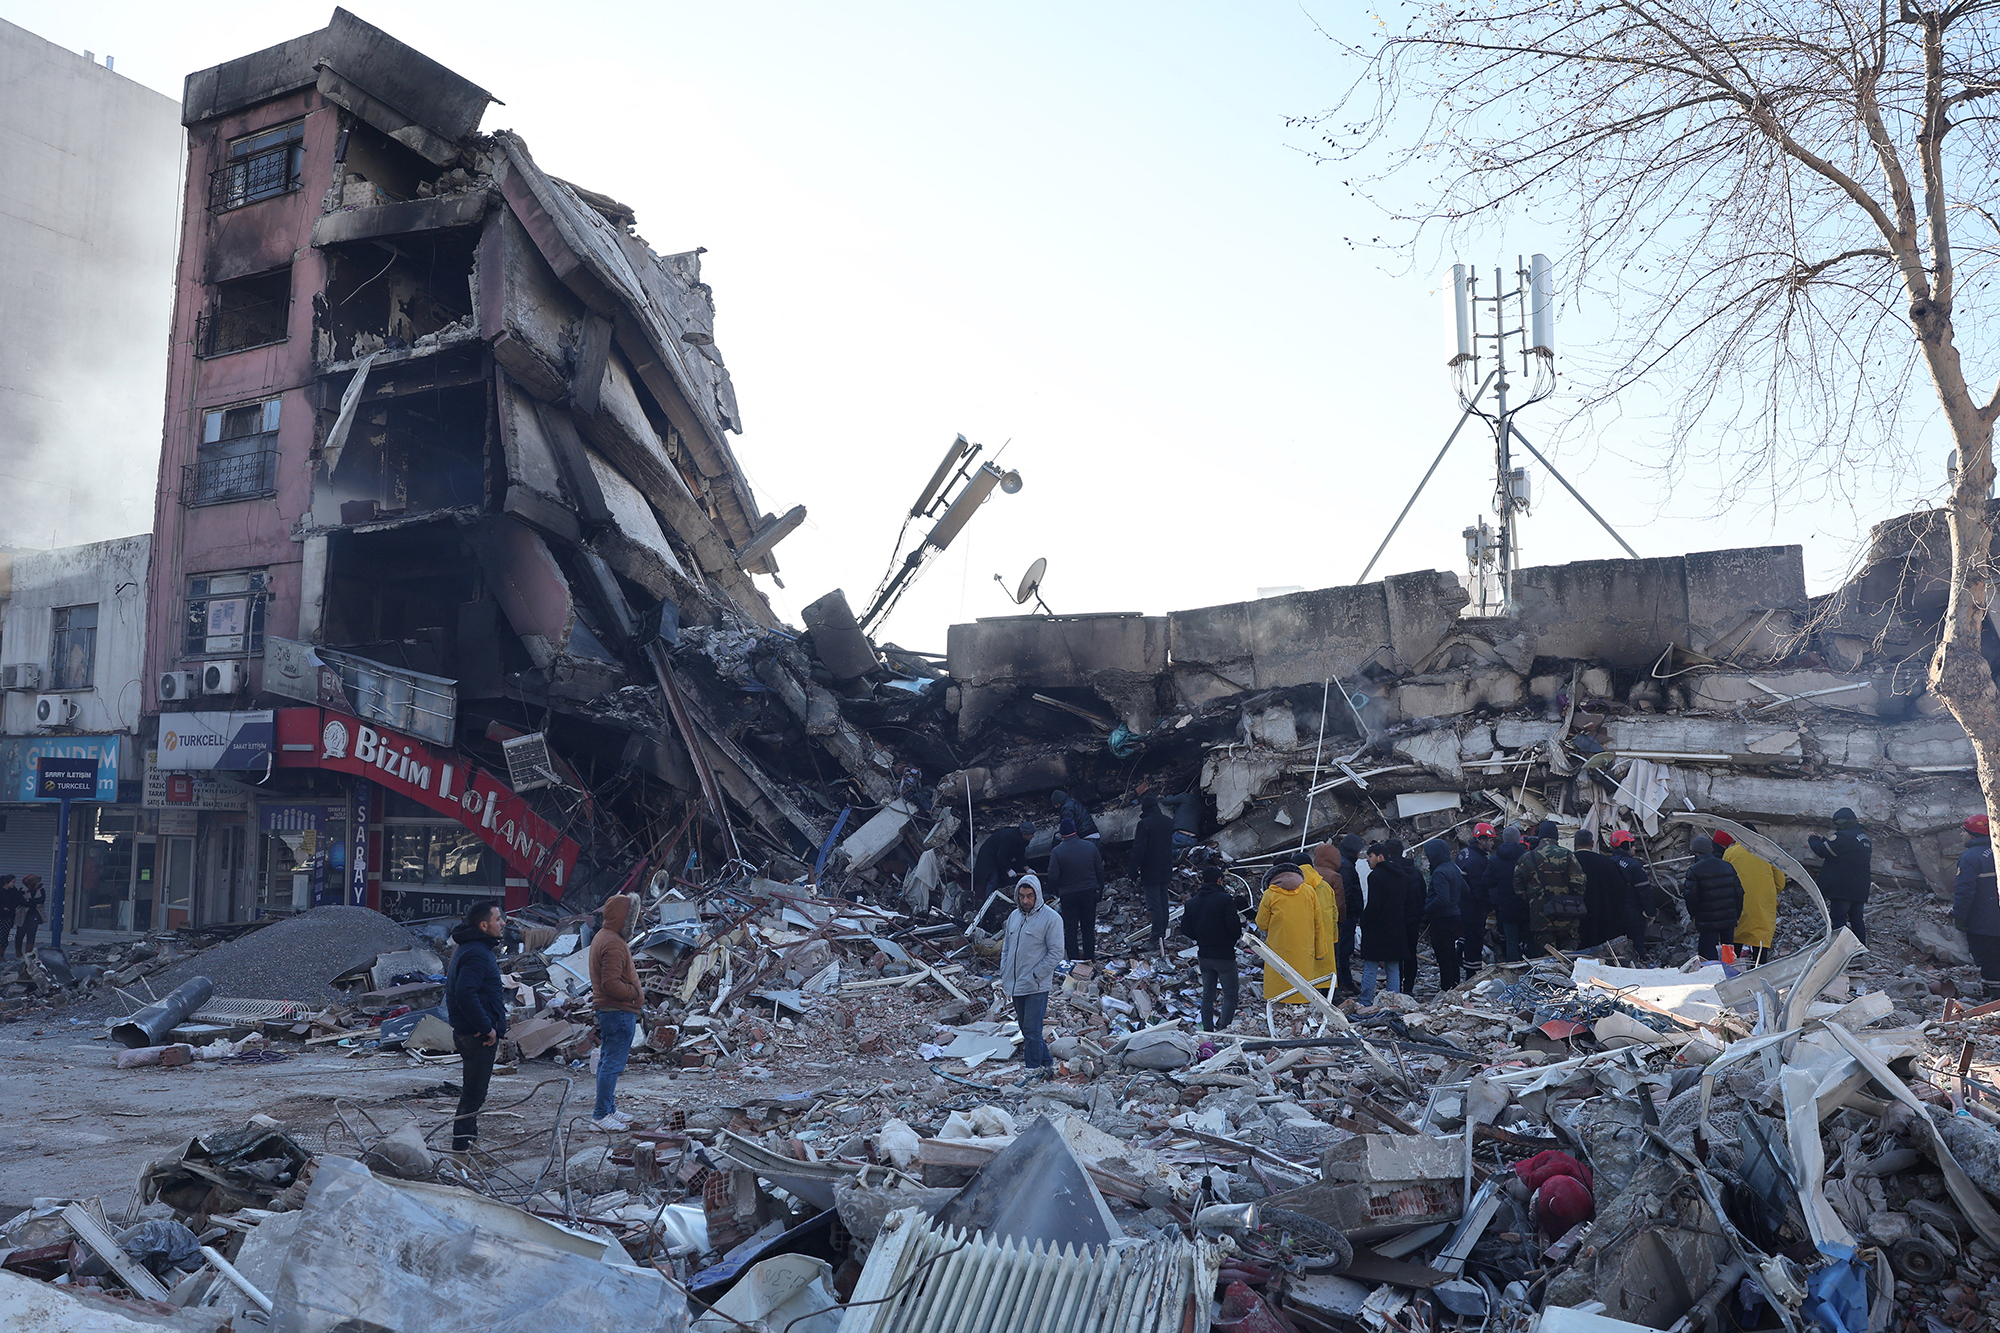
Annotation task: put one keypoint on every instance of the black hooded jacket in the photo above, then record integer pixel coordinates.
(473, 997)
(1395, 899)
(1152, 859)
(1713, 893)
(1845, 859)
(1004, 853)
(1446, 898)
(1212, 922)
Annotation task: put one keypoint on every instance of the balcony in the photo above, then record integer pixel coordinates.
(214, 481)
(237, 328)
(397, 697)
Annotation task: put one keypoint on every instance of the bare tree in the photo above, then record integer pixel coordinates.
(1777, 193)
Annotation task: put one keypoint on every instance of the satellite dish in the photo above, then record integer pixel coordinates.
(1031, 581)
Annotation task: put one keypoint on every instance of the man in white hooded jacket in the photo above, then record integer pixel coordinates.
(1031, 945)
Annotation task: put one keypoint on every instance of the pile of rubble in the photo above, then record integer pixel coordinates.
(829, 1136)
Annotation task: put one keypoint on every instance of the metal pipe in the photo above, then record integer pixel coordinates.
(236, 1279)
(150, 1025)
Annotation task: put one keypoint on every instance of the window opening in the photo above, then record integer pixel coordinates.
(259, 166)
(237, 458)
(225, 613)
(246, 313)
(73, 647)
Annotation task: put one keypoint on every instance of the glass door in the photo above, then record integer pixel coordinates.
(176, 892)
(145, 883)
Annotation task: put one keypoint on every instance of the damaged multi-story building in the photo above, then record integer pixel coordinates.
(446, 446)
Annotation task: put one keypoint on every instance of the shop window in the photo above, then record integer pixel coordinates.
(73, 647)
(260, 166)
(225, 614)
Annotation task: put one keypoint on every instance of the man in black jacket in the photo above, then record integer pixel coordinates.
(1843, 872)
(1002, 859)
(1640, 896)
(1353, 862)
(1395, 893)
(1603, 892)
(1068, 807)
(1152, 864)
(1714, 897)
(1076, 877)
(1444, 909)
(1475, 862)
(1212, 921)
(478, 1010)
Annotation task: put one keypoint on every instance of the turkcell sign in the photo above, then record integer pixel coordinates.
(214, 740)
(444, 780)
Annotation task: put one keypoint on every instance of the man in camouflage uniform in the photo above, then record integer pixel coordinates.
(1550, 880)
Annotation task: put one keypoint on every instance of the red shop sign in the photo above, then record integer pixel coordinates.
(447, 781)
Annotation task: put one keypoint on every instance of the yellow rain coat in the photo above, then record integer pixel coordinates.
(1290, 920)
(1328, 898)
(1762, 882)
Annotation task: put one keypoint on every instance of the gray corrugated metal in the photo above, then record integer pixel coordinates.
(28, 841)
(942, 1281)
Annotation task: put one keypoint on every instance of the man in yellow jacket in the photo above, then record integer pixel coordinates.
(1757, 928)
(1290, 919)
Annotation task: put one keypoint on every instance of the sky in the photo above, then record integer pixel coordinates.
(1081, 235)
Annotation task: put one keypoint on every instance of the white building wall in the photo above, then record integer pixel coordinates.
(90, 169)
(110, 575)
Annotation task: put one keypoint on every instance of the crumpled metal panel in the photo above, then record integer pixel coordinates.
(928, 1279)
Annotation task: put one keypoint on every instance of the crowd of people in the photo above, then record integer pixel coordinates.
(24, 906)
(1353, 917)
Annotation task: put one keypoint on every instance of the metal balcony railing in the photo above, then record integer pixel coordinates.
(247, 180)
(215, 481)
(259, 324)
(409, 701)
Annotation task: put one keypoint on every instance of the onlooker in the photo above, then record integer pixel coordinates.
(1843, 873)
(1289, 917)
(1185, 810)
(1353, 873)
(1393, 890)
(1975, 903)
(477, 1008)
(1549, 883)
(1031, 944)
(1714, 897)
(1001, 858)
(11, 902)
(1640, 897)
(1757, 928)
(1603, 892)
(616, 996)
(1068, 807)
(1322, 876)
(34, 911)
(1475, 862)
(1510, 910)
(1076, 878)
(1444, 910)
(1413, 920)
(1211, 920)
(1152, 863)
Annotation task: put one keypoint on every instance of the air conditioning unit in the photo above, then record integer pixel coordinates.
(54, 710)
(21, 676)
(223, 678)
(176, 685)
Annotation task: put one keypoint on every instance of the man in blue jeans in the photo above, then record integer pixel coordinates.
(1031, 944)
(617, 998)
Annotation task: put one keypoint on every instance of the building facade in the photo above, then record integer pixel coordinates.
(445, 450)
(88, 205)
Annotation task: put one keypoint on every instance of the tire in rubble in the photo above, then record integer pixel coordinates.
(1314, 1246)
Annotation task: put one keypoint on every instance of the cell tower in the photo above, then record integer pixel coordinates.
(1488, 333)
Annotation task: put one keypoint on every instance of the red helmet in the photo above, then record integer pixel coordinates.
(1721, 840)
(1979, 825)
(1484, 831)
(1621, 837)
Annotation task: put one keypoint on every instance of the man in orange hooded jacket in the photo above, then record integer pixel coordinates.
(615, 995)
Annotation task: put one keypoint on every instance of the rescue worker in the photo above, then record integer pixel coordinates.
(1353, 872)
(1640, 896)
(1289, 917)
(1843, 874)
(1394, 894)
(1714, 897)
(1549, 883)
(1076, 878)
(1001, 857)
(1603, 892)
(1151, 863)
(1068, 807)
(1975, 903)
(1322, 876)
(1509, 910)
(1444, 910)
(1475, 862)
(1757, 928)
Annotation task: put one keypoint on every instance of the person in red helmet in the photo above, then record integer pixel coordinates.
(1639, 894)
(1757, 928)
(1975, 902)
(1475, 862)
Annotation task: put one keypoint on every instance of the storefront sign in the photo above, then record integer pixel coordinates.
(215, 740)
(445, 780)
(364, 794)
(58, 779)
(18, 764)
(179, 822)
(190, 791)
(295, 670)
